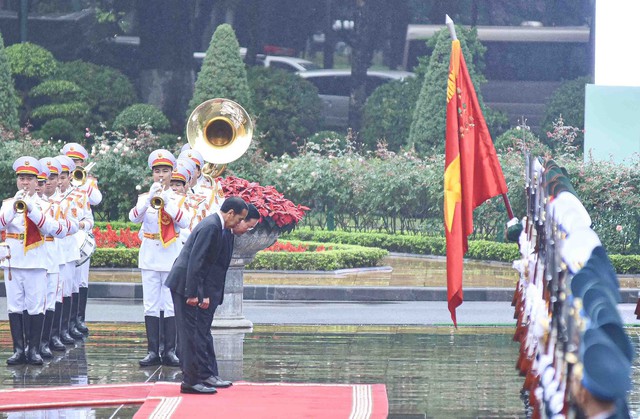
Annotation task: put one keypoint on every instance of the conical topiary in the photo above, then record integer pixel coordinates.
(223, 73)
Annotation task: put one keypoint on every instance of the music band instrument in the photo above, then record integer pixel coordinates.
(221, 130)
(79, 175)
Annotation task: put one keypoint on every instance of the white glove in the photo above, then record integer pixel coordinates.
(19, 195)
(155, 189)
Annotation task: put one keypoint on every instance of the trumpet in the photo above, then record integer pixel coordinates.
(157, 202)
(79, 175)
(20, 206)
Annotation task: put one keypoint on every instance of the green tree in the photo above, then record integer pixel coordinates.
(8, 96)
(287, 109)
(567, 102)
(106, 90)
(223, 73)
(428, 124)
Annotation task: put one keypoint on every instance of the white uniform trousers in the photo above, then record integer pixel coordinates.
(54, 287)
(156, 296)
(68, 277)
(82, 272)
(27, 290)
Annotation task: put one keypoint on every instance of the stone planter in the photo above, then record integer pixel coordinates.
(229, 314)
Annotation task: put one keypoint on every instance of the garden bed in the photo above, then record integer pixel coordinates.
(310, 256)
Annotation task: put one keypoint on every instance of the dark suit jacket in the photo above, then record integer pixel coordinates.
(193, 273)
(215, 289)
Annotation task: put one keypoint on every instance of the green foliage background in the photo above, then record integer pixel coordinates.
(8, 97)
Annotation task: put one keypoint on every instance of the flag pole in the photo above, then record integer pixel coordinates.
(452, 30)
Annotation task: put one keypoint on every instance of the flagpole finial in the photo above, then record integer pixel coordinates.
(452, 29)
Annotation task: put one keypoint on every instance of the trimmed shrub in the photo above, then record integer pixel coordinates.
(223, 73)
(107, 90)
(568, 102)
(428, 124)
(114, 258)
(8, 97)
(287, 109)
(388, 113)
(58, 129)
(340, 256)
(141, 114)
(30, 63)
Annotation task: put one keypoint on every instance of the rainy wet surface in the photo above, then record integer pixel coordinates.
(428, 371)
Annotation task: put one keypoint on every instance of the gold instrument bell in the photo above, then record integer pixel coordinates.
(221, 130)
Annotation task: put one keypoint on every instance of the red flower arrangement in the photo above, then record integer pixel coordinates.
(110, 238)
(276, 211)
(288, 247)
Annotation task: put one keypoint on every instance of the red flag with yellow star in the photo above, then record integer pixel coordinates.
(472, 170)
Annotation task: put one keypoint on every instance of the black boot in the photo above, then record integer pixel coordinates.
(169, 355)
(152, 325)
(35, 336)
(64, 325)
(26, 327)
(73, 318)
(82, 308)
(17, 334)
(45, 352)
(55, 343)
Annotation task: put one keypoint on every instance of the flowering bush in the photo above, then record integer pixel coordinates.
(290, 247)
(109, 238)
(276, 211)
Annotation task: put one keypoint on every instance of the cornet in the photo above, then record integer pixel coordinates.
(20, 206)
(79, 175)
(157, 202)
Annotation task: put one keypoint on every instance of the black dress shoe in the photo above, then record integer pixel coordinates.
(152, 358)
(215, 381)
(197, 389)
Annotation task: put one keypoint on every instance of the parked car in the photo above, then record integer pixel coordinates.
(290, 64)
(334, 88)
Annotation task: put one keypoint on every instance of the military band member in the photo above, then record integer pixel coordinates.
(51, 331)
(93, 197)
(161, 219)
(70, 250)
(26, 272)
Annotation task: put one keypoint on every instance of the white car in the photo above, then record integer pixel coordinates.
(290, 64)
(334, 88)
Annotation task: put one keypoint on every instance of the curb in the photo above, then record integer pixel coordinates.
(114, 290)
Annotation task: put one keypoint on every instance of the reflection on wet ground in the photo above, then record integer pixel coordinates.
(428, 371)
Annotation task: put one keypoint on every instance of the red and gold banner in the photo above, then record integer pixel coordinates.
(472, 170)
(166, 228)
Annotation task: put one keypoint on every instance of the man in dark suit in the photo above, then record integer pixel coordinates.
(210, 376)
(191, 277)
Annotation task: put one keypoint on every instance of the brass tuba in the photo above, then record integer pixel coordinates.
(221, 130)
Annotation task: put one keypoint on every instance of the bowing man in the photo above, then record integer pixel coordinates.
(192, 280)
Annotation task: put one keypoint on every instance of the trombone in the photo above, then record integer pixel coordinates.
(79, 175)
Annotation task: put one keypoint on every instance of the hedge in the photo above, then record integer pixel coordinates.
(340, 256)
(417, 244)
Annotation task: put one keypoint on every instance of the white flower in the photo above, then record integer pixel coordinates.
(314, 174)
(102, 152)
(285, 166)
(278, 171)
(348, 160)
(126, 148)
(138, 187)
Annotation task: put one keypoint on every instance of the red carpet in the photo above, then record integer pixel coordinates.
(242, 400)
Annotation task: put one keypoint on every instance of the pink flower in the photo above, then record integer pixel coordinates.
(618, 228)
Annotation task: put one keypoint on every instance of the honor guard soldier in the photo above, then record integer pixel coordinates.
(53, 309)
(69, 211)
(213, 195)
(25, 272)
(93, 197)
(161, 219)
(180, 179)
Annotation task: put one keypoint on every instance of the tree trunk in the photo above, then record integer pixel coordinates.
(363, 42)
